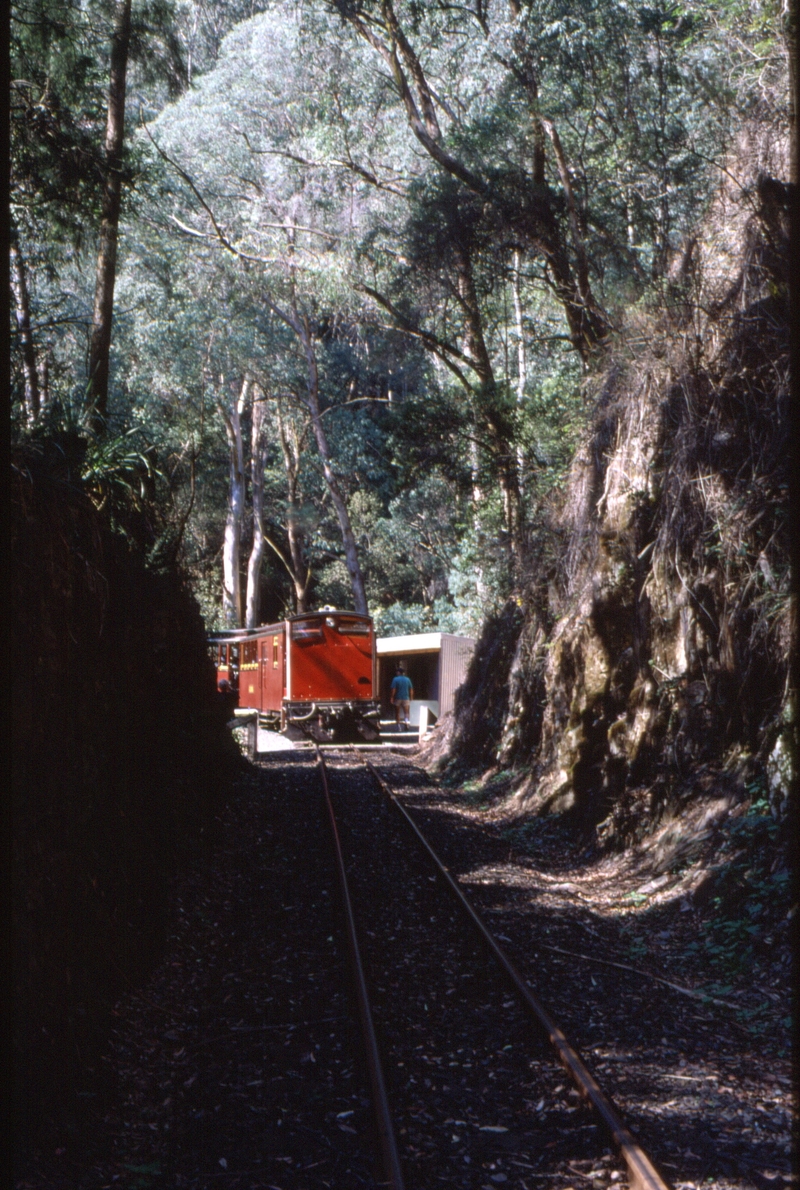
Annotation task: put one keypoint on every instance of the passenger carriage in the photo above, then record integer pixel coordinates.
(311, 674)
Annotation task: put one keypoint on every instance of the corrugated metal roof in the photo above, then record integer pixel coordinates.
(422, 642)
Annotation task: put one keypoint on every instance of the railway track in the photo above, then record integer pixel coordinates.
(458, 1049)
(240, 1064)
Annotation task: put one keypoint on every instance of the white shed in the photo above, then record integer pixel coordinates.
(436, 662)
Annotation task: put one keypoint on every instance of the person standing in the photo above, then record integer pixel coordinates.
(402, 693)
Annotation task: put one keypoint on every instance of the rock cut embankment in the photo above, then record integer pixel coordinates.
(652, 660)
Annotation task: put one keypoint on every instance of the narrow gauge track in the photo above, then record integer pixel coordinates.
(477, 1102)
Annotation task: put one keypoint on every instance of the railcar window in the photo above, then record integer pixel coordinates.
(250, 654)
(354, 627)
(307, 630)
(223, 655)
(275, 644)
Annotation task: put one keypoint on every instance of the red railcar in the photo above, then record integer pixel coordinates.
(313, 674)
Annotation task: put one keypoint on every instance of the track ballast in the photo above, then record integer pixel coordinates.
(463, 1064)
(241, 1065)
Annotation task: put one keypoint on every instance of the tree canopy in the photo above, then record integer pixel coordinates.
(369, 255)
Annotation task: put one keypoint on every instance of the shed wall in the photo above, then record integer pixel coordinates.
(454, 660)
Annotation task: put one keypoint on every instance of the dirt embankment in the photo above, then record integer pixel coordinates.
(650, 664)
(117, 743)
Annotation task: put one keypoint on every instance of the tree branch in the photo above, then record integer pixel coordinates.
(444, 351)
(221, 236)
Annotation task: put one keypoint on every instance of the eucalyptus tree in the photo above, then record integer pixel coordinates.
(143, 36)
(581, 131)
(242, 186)
(22, 310)
(56, 101)
(442, 293)
(70, 168)
(105, 276)
(292, 432)
(291, 160)
(558, 155)
(440, 96)
(214, 376)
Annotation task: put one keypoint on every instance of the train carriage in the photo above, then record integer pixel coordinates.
(312, 674)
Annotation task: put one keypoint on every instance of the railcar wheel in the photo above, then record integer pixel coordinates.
(294, 733)
(347, 733)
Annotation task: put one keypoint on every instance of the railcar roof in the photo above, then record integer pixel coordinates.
(232, 635)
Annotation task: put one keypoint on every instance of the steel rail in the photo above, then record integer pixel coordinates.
(642, 1173)
(383, 1119)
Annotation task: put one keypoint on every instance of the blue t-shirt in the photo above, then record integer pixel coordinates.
(401, 687)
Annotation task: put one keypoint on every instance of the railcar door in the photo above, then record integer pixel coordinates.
(272, 661)
(223, 666)
(249, 678)
(355, 640)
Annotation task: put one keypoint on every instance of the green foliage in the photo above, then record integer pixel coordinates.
(751, 891)
(551, 421)
(268, 115)
(56, 116)
(59, 64)
(405, 619)
(115, 469)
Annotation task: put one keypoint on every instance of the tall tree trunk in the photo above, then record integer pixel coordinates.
(257, 460)
(790, 17)
(19, 287)
(522, 369)
(339, 503)
(582, 263)
(299, 569)
(491, 417)
(231, 580)
(45, 379)
(109, 228)
(481, 588)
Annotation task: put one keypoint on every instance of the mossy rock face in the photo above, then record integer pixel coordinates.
(657, 639)
(481, 704)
